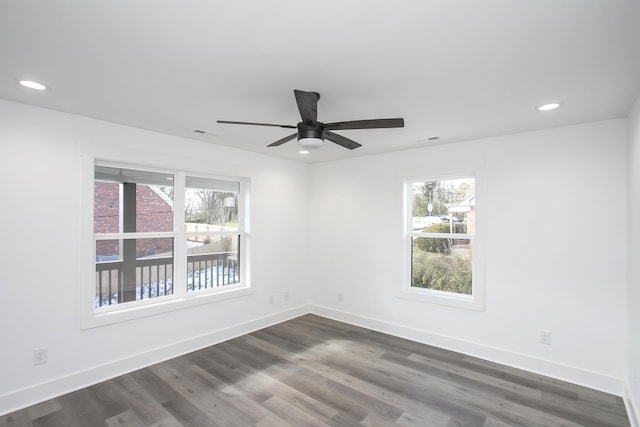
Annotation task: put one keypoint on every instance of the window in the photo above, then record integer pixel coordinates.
(441, 228)
(133, 220)
(163, 237)
(213, 235)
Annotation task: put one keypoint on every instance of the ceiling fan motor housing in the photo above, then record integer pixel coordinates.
(310, 131)
(310, 137)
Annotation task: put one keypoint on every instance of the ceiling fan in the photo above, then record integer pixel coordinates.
(311, 133)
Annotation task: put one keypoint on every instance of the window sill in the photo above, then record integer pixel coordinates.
(94, 318)
(469, 302)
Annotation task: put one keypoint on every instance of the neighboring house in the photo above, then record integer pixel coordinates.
(466, 206)
(154, 212)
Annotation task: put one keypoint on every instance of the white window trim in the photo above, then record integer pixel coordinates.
(91, 317)
(475, 301)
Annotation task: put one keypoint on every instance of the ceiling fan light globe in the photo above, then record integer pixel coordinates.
(310, 143)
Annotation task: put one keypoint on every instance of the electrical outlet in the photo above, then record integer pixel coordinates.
(340, 297)
(286, 296)
(545, 337)
(40, 356)
(272, 299)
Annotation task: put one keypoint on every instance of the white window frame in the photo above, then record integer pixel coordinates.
(90, 316)
(475, 301)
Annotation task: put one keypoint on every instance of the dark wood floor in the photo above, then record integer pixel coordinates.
(313, 371)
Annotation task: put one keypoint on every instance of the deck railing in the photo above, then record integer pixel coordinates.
(154, 276)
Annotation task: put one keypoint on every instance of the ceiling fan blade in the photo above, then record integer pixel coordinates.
(283, 140)
(308, 106)
(341, 140)
(229, 122)
(366, 124)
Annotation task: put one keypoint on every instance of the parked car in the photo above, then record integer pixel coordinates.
(422, 222)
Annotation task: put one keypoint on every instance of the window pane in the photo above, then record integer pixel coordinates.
(133, 269)
(211, 202)
(446, 206)
(442, 264)
(212, 261)
(126, 200)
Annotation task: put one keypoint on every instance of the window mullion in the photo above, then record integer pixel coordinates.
(211, 233)
(441, 235)
(137, 235)
(180, 252)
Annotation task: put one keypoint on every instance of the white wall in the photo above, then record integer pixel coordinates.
(40, 233)
(551, 214)
(552, 187)
(633, 256)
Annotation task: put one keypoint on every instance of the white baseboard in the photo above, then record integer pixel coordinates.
(40, 392)
(525, 362)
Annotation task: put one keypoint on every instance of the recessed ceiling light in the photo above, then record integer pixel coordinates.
(207, 132)
(550, 106)
(303, 151)
(428, 140)
(32, 85)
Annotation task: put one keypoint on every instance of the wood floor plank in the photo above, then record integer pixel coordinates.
(453, 394)
(291, 414)
(54, 419)
(45, 408)
(345, 419)
(422, 362)
(188, 414)
(154, 385)
(273, 421)
(260, 384)
(426, 389)
(146, 407)
(204, 393)
(314, 371)
(167, 422)
(107, 399)
(127, 418)
(323, 367)
(426, 417)
(345, 399)
(80, 410)
(16, 419)
(492, 422)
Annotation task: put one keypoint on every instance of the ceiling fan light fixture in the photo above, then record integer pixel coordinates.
(310, 143)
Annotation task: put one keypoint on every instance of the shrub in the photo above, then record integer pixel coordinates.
(439, 245)
(448, 273)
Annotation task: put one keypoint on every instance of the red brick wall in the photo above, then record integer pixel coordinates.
(153, 213)
(106, 203)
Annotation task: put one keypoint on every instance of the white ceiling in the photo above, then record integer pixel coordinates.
(457, 69)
